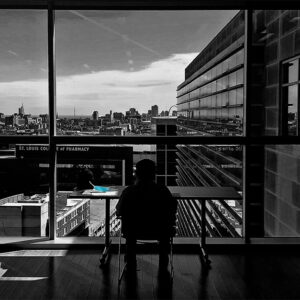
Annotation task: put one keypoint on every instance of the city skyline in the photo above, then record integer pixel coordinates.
(25, 112)
(104, 61)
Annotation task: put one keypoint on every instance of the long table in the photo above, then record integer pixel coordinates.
(179, 192)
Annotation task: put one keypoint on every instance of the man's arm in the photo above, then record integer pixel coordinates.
(121, 205)
(172, 207)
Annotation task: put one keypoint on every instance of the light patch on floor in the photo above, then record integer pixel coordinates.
(35, 253)
(22, 278)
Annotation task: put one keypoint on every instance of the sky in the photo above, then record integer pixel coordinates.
(105, 60)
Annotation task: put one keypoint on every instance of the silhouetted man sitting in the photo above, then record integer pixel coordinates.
(148, 212)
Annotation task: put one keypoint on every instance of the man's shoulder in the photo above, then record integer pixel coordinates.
(129, 190)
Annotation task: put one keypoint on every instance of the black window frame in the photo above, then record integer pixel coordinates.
(284, 96)
(53, 140)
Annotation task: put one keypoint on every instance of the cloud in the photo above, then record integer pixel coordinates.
(106, 90)
(115, 32)
(87, 96)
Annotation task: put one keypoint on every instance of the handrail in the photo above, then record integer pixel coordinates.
(189, 220)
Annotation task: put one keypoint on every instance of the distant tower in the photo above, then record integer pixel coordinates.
(95, 115)
(74, 112)
(154, 111)
(21, 110)
(111, 116)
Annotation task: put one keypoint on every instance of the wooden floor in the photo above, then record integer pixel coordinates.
(75, 274)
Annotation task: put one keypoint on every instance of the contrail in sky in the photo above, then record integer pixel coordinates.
(116, 33)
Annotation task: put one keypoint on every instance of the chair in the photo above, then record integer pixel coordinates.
(143, 240)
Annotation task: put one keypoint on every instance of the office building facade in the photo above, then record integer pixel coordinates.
(212, 101)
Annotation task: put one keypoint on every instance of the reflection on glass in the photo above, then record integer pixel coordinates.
(293, 110)
(291, 71)
(281, 191)
(232, 79)
(80, 168)
(210, 165)
(24, 192)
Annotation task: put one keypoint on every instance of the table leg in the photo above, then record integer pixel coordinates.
(203, 253)
(107, 233)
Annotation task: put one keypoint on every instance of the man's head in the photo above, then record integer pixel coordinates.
(145, 170)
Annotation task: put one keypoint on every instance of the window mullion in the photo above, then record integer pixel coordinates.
(52, 121)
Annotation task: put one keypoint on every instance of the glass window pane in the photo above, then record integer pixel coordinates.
(24, 192)
(213, 101)
(219, 84)
(232, 79)
(213, 72)
(240, 76)
(213, 86)
(23, 72)
(225, 65)
(240, 96)
(219, 100)
(291, 71)
(240, 57)
(239, 116)
(225, 82)
(219, 69)
(232, 97)
(289, 21)
(233, 61)
(281, 191)
(293, 110)
(112, 65)
(206, 165)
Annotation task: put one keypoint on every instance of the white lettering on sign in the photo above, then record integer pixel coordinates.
(77, 149)
(58, 148)
(32, 148)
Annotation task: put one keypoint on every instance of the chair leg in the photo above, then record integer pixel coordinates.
(171, 257)
(120, 272)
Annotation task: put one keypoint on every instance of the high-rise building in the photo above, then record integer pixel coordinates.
(133, 112)
(210, 103)
(95, 115)
(44, 117)
(21, 110)
(154, 110)
(118, 116)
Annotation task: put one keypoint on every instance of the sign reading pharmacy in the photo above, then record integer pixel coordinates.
(58, 148)
(80, 154)
(75, 151)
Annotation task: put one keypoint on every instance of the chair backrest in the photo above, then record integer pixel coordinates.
(149, 212)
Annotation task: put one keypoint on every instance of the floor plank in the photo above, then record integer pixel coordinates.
(76, 274)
